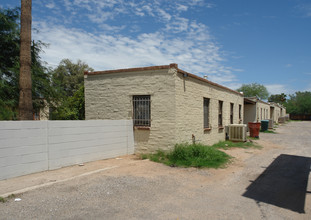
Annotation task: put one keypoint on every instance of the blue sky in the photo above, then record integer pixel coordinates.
(231, 41)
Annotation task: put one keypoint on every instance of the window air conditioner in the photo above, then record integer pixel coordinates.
(237, 132)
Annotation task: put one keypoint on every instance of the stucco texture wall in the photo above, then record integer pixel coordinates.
(109, 96)
(263, 111)
(176, 106)
(190, 93)
(250, 113)
(277, 113)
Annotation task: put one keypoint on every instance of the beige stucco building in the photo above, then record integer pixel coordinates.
(256, 110)
(167, 105)
(277, 111)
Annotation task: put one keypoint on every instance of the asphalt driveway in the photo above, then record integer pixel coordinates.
(268, 183)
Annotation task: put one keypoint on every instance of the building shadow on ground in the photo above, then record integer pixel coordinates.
(283, 184)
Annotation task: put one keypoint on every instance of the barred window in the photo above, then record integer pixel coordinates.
(240, 112)
(260, 113)
(220, 113)
(231, 113)
(206, 112)
(141, 110)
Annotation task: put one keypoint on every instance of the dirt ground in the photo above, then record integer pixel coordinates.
(267, 183)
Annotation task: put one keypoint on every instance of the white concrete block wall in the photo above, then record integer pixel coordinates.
(23, 148)
(72, 142)
(34, 146)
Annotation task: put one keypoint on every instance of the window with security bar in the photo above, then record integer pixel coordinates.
(141, 110)
(231, 112)
(240, 112)
(220, 104)
(206, 112)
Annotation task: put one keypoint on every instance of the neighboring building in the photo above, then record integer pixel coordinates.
(256, 110)
(43, 112)
(277, 111)
(250, 110)
(167, 105)
(283, 111)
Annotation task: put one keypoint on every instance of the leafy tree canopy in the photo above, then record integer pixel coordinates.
(299, 103)
(61, 88)
(68, 80)
(69, 76)
(277, 98)
(254, 89)
(9, 66)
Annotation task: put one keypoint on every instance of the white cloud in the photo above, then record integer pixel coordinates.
(174, 38)
(181, 8)
(106, 51)
(110, 28)
(100, 17)
(178, 25)
(196, 2)
(50, 5)
(305, 9)
(278, 89)
(233, 85)
(210, 5)
(308, 87)
(163, 14)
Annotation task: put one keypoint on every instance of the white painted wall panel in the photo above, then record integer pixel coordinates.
(33, 146)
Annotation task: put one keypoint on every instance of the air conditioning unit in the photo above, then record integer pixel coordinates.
(237, 132)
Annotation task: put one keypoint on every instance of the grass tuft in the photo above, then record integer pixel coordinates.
(2, 200)
(198, 155)
(12, 196)
(191, 155)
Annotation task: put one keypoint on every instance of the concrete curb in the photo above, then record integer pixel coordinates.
(57, 181)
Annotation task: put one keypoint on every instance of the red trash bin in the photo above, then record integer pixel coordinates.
(254, 128)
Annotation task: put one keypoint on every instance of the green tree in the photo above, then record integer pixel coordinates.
(299, 103)
(9, 59)
(9, 67)
(68, 80)
(254, 89)
(277, 98)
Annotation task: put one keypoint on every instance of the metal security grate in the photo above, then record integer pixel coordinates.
(231, 112)
(220, 104)
(206, 112)
(141, 109)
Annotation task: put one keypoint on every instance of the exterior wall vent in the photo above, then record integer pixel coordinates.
(237, 132)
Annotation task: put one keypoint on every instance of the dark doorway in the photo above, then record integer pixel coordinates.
(283, 183)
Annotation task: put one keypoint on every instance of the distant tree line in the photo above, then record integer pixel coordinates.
(296, 104)
(61, 89)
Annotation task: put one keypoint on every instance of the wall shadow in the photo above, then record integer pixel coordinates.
(283, 184)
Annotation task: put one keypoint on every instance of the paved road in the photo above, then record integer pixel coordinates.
(271, 183)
